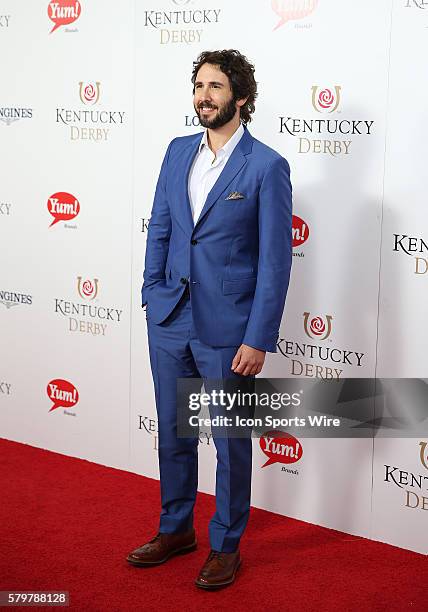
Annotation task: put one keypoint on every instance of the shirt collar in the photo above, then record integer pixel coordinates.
(228, 147)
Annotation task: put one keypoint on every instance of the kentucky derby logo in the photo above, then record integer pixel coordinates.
(290, 10)
(63, 12)
(89, 92)
(316, 327)
(424, 454)
(88, 289)
(325, 100)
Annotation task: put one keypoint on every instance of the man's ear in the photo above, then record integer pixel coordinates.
(242, 101)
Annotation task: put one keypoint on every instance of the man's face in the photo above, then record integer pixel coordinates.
(213, 98)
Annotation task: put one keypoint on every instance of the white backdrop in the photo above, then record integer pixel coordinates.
(86, 112)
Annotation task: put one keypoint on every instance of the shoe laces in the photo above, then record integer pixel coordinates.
(215, 554)
(154, 541)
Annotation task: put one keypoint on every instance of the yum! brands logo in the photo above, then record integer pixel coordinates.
(300, 234)
(292, 10)
(280, 447)
(63, 394)
(315, 360)
(63, 12)
(329, 135)
(63, 206)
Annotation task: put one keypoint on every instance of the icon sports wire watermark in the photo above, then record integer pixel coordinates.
(346, 408)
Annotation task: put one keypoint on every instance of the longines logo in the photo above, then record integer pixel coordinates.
(89, 317)
(86, 123)
(410, 245)
(64, 12)
(191, 121)
(5, 208)
(173, 26)
(63, 394)
(4, 21)
(11, 298)
(290, 10)
(421, 4)
(63, 206)
(10, 114)
(5, 388)
(324, 100)
(281, 447)
(309, 366)
(414, 485)
(300, 233)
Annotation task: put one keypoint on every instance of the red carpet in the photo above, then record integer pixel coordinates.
(67, 524)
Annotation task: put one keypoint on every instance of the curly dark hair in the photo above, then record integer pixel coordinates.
(240, 73)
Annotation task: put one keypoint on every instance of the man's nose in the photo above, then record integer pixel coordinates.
(204, 93)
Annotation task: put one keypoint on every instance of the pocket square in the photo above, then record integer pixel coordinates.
(235, 195)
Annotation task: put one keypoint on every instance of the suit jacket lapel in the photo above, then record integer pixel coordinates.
(187, 159)
(234, 164)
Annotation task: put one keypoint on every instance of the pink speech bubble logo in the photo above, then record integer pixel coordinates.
(63, 12)
(280, 447)
(289, 10)
(63, 206)
(62, 393)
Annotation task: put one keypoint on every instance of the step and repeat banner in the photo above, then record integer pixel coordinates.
(91, 94)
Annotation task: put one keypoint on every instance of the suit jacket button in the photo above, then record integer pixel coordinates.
(193, 241)
(183, 281)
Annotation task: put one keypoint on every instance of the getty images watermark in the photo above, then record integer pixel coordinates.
(345, 408)
(230, 402)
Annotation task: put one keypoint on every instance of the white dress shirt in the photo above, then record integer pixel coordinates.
(206, 169)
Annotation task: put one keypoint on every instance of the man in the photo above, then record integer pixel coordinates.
(217, 268)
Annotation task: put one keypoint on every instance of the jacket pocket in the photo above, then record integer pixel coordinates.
(239, 285)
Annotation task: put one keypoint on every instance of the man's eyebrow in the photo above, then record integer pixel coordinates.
(210, 83)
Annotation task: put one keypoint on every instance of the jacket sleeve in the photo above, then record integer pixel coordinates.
(275, 256)
(158, 234)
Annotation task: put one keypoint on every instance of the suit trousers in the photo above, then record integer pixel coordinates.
(176, 352)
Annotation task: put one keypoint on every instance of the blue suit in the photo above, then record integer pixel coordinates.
(210, 287)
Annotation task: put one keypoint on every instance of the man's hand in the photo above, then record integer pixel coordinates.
(248, 360)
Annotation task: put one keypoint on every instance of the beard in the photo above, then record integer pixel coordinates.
(224, 114)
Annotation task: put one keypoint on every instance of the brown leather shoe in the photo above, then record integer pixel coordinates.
(163, 546)
(219, 570)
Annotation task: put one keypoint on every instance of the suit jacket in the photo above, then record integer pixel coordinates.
(236, 258)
